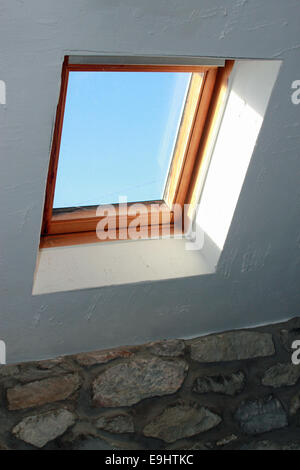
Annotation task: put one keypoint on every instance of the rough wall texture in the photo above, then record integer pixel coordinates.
(234, 390)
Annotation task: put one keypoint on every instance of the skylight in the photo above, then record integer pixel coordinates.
(118, 136)
(127, 132)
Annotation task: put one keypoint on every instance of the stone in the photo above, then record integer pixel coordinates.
(232, 346)
(269, 445)
(118, 424)
(32, 374)
(226, 440)
(42, 391)
(84, 436)
(290, 334)
(291, 446)
(281, 375)
(260, 416)
(295, 404)
(96, 443)
(284, 339)
(128, 383)
(181, 421)
(102, 357)
(188, 446)
(3, 446)
(260, 445)
(40, 429)
(50, 363)
(33, 371)
(170, 347)
(93, 443)
(8, 370)
(196, 446)
(227, 384)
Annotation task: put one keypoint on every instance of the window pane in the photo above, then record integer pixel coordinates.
(118, 136)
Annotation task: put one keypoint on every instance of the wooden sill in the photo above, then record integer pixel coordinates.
(79, 238)
(86, 219)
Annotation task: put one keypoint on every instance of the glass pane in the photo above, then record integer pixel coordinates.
(118, 136)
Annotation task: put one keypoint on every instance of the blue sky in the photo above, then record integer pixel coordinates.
(118, 136)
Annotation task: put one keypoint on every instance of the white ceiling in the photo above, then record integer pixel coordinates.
(34, 36)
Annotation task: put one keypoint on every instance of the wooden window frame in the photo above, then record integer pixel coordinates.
(70, 226)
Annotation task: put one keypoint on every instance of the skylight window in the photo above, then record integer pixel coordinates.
(127, 131)
(118, 136)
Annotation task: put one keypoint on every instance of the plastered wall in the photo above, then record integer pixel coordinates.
(257, 279)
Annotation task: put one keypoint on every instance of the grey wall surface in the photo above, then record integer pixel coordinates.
(257, 280)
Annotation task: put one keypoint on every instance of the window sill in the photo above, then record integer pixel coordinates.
(94, 265)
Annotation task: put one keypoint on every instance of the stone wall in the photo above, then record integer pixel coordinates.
(234, 390)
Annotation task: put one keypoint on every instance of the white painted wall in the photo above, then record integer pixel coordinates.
(257, 278)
